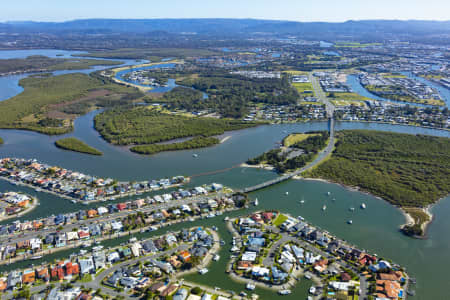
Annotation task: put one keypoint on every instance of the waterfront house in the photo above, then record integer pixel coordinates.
(28, 276)
(86, 265)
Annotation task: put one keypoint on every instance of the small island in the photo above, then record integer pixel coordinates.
(197, 142)
(74, 144)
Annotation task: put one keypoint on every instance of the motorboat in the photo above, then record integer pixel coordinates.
(350, 222)
(363, 206)
(284, 292)
(203, 271)
(250, 286)
(324, 207)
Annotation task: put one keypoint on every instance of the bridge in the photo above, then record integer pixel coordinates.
(322, 155)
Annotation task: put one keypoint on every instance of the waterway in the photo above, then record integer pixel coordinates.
(374, 229)
(357, 87)
(9, 85)
(171, 84)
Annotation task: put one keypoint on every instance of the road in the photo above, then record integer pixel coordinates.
(321, 96)
(7, 240)
(96, 283)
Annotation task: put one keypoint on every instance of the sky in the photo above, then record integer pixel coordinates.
(295, 10)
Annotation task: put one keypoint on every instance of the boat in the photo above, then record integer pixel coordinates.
(350, 222)
(222, 242)
(284, 292)
(328, 193)
(302, 201)
(307, 276)
(363, 206)
(324, 207)
(243, 294)
(334, 199)
(203, 271)
(287, 193)
(216, 257)
(36, 257)
(195, 155)
(83, 252)
(97, 248)
(256, 203)
(74, 201)
(250, 286)
(133, 239)
(312, 290)
(351, 209)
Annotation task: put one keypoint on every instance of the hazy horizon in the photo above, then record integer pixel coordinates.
(288, 10)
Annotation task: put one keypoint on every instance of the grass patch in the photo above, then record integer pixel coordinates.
(304, 88)
(406, 170)
(74, 144)
(296, 137)
(346, 96)
(280, 220)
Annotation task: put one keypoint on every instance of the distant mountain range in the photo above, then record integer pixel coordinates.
(235, 26)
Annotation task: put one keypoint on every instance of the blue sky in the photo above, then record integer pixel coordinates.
(296, 10)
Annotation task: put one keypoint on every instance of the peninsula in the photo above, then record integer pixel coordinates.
(74, 144)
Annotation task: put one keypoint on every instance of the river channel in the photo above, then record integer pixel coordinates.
(374, 229)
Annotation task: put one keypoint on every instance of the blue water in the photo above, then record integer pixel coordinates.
(324, 44)
(444, 92)
(355, 84)
(331, 53)
(8, 54)
(9, 85)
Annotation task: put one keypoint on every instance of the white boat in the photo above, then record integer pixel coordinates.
(216, 257)
(203, 271)
(324, 207)
(256, 203)
(287, 193)
(350, 222)
(195, 155)
(363, 206)
(36, 257)
(307, 276)
(97, 248)
(284, 292)
(334, 199)
(328, 193)
(312, 290)
(352, 209)
(250, 286)
(74, 201)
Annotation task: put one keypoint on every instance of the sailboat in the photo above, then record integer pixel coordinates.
(256, 203)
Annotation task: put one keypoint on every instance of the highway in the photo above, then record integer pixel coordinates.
(322, 154)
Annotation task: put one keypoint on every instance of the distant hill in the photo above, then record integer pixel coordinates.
(235, 26)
